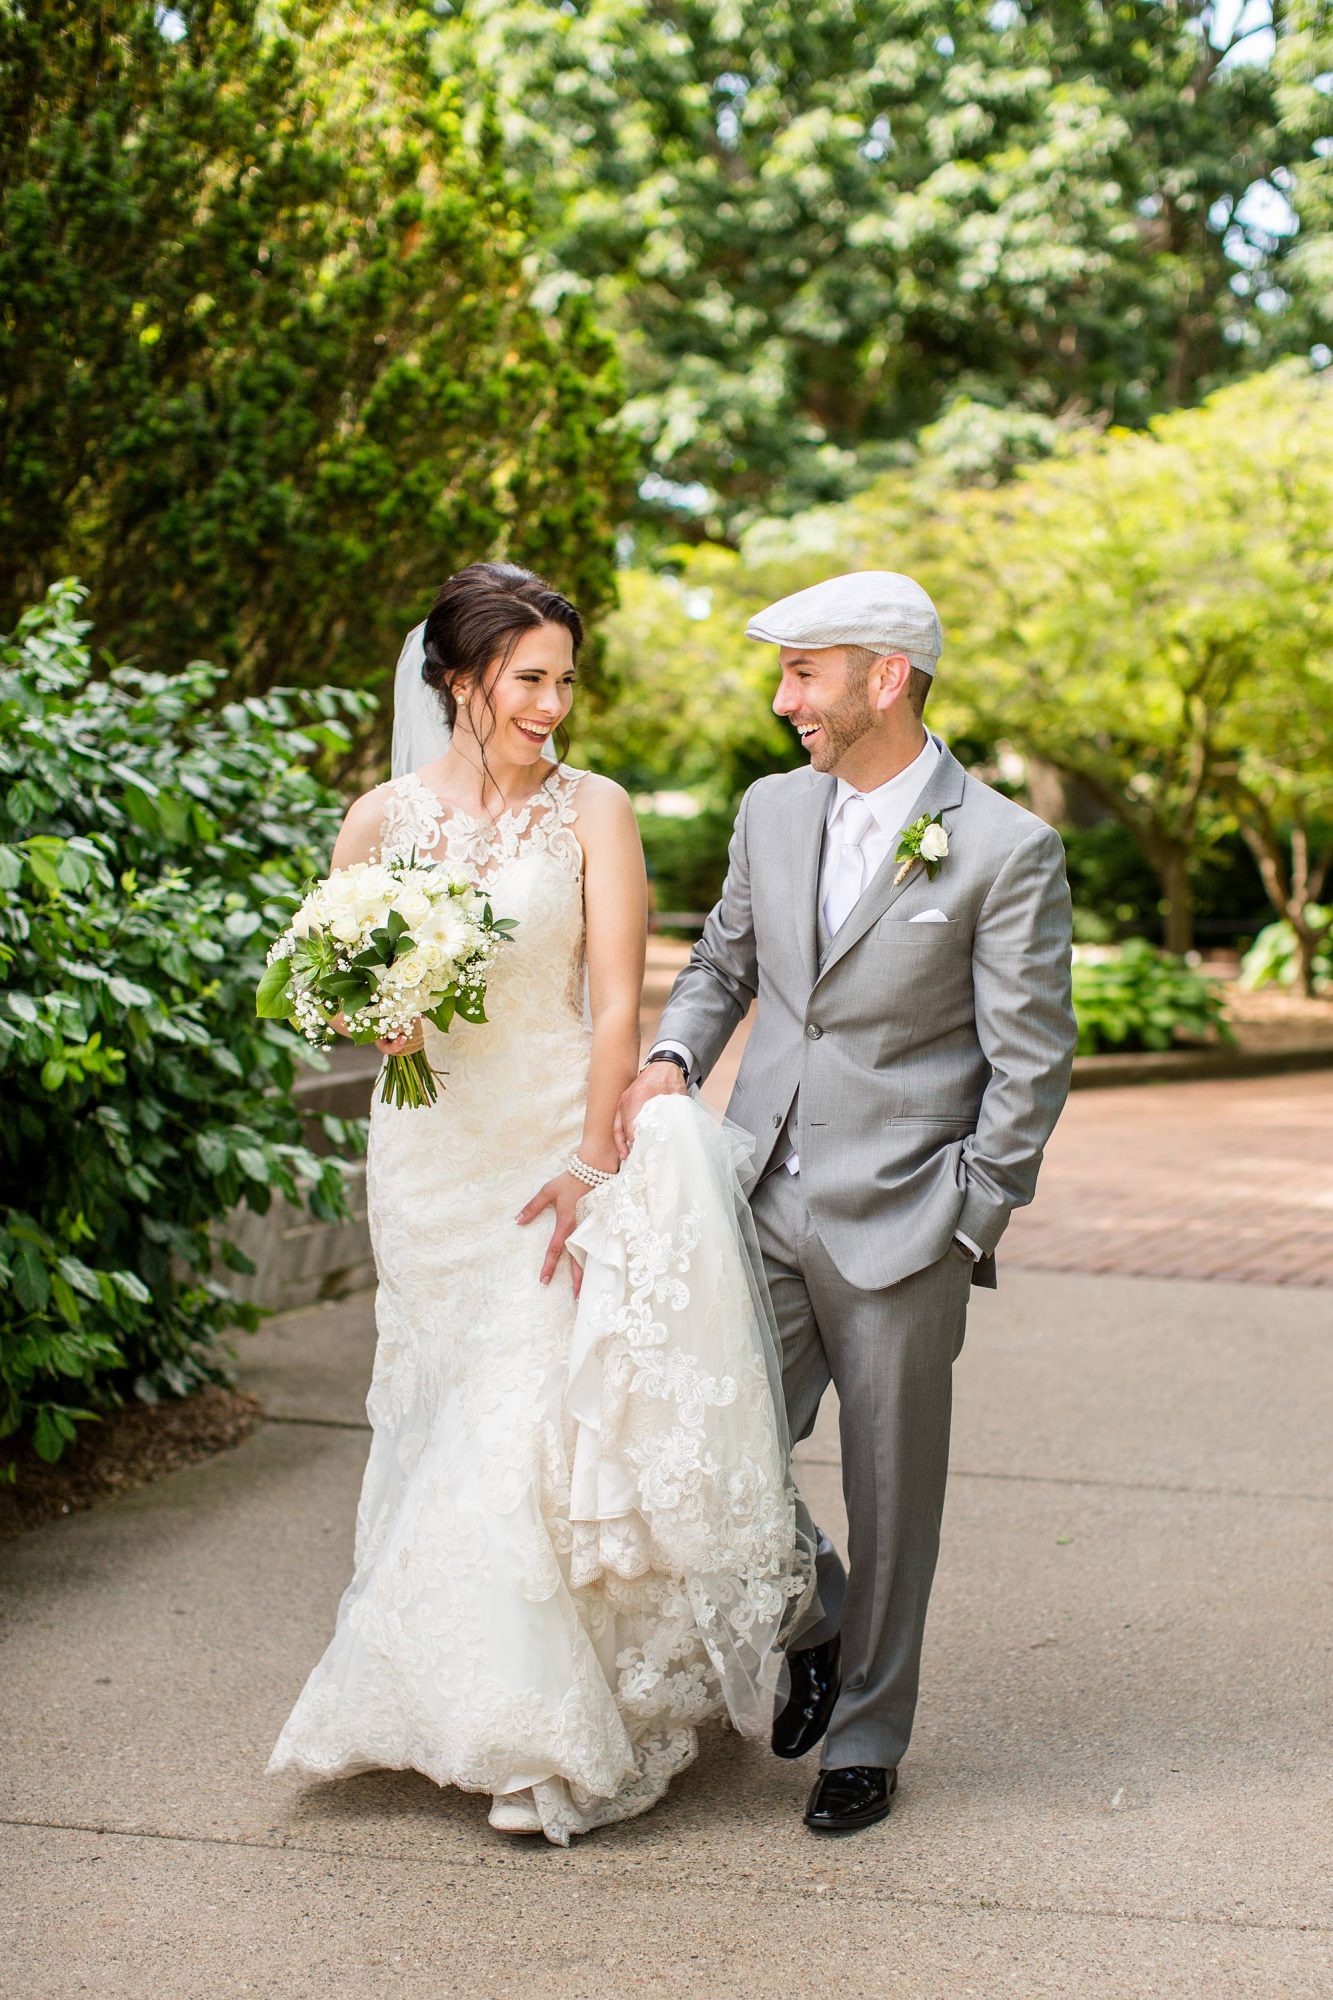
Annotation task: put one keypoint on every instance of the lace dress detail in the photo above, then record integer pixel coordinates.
(569, 1539)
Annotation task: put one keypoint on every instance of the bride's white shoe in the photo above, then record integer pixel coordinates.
(514, 1812)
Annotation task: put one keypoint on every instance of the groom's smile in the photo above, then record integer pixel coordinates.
(824, 701)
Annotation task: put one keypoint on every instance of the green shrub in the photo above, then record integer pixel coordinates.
(1117, 895)
(1272, 959)
(687, 858)
(1113, 888)
(151, 843)
(1133, 997)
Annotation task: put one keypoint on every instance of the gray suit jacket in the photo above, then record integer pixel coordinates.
(927, 1062)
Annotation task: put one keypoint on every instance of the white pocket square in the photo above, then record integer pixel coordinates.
(928, 917)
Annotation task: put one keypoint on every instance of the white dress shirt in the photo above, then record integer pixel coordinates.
(889, 805)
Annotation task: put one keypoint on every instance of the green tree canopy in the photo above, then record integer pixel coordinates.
(271, 363)
(1144, 610)
(1147, 611)
(813, 225)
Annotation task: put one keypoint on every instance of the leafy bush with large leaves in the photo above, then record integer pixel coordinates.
(1130, 998)
(1275, 957)
(151, 842)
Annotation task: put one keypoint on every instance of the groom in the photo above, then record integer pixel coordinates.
(907, 933)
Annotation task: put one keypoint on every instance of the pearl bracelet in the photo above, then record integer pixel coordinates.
(590, 1176)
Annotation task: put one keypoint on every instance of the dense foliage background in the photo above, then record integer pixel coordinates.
(1146, 617)
(814, 224)
(270, 359)
(304, 304)
(151, 844)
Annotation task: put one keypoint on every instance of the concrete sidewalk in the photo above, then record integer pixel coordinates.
(1117, 1788)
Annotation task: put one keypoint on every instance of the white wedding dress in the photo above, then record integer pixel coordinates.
(575, 1539)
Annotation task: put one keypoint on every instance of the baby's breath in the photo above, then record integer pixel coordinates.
(385, 944)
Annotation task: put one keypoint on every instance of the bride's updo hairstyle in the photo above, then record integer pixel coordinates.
(478, 618)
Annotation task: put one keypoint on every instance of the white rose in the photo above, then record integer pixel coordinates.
(435, 962)
(308, 917)
(339, 893)
(412, 905)
(934, 844)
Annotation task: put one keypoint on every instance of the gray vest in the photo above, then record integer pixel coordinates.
(789, 1138)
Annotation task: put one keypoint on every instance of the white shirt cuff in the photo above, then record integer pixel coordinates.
(675, 1049)
(968, 1244)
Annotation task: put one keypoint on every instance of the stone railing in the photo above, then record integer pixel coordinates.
(297, 1258)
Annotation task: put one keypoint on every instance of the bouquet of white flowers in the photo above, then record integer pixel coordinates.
(384, 944)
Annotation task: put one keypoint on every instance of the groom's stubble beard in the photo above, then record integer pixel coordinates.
(842, 725)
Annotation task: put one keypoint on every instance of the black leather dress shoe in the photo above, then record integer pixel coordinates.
(816, 1676)
(845, 1801)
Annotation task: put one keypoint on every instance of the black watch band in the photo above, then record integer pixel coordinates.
(670, 1055)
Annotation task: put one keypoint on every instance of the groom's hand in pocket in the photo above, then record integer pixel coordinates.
(563, 1194)
(655, 1079)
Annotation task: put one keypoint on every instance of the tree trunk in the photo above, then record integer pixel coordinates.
(1289, 889)
(1306, 945)
(1173, 872)
(1060, 797)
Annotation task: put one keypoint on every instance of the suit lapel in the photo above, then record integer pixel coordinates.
(807, 846)
(941, 793)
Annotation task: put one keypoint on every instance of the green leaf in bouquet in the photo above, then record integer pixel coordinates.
(472, 1005)
(392, 940)
(443, 1015)
(271, 995)
(345, 987)
(317, 951)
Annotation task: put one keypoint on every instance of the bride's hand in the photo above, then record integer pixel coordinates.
(563, 1194)
(400, 1046)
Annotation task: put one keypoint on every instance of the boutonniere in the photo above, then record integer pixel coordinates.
(925, 840)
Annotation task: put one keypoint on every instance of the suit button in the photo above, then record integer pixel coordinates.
(814, 1031)
(777, 1120)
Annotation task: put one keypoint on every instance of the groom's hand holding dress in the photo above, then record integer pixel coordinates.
(663, 1075)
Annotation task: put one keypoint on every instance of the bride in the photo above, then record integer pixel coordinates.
(576, 1538)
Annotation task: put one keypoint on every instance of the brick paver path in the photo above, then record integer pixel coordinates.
(1177, 1180)
(1189, 1180)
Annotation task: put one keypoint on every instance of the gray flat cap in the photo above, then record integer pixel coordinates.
(876, 608)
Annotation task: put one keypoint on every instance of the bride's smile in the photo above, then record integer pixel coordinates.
(511, 713)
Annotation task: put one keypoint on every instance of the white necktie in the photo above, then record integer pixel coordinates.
(847, 876)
